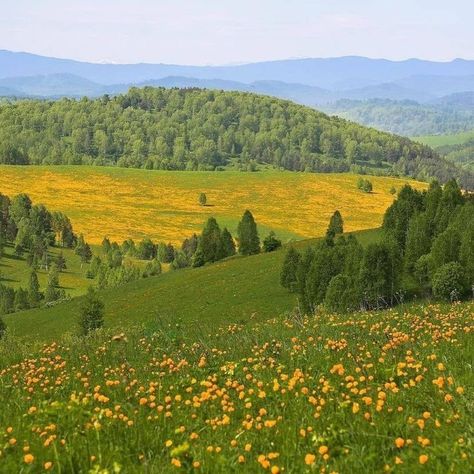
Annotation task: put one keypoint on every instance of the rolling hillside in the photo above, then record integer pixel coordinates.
(188, 129)
(237, 289)
(125, 203)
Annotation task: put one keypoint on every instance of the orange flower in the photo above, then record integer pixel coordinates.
(28, 458)
(309, 459)
(399, 443)
(423, 458)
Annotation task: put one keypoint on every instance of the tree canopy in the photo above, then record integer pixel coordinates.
(193, 129)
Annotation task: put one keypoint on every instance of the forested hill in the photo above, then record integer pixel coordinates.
(196, 129)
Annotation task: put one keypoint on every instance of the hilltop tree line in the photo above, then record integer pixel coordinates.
(427, 248)
(192, 129)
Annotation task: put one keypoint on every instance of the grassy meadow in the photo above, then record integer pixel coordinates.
(239, 289)
(370, 392)
(128, 203)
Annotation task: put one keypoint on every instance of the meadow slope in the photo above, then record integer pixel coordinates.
(163, 205)
(239, 289)
(360, 393)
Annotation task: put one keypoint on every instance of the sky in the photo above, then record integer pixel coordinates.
(228, 32)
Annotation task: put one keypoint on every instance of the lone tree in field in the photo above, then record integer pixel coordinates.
(91, 315)
(364, 185)
(202, 199)
(249, 242)
(336, 225)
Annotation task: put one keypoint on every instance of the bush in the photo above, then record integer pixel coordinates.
(449, 282)
(364, 185)
(271, 243)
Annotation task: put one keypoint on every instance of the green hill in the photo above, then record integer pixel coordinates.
(196, 129)
(236, 289)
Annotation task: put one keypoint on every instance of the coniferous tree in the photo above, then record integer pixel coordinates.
(227, 243)
(210, 243)
(289, 271)
(91, 314)
(34, 295)
(61, 262)
(249, 241)
(21, 299)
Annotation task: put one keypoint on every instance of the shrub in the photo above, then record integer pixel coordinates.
(3, 328)
(271, 243)
(449, 282)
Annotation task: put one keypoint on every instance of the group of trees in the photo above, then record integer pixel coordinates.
(32, 230)
(192, 129)
(427, 247)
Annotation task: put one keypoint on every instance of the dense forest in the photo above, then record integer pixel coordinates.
(427, 249)
(192, 129)
(406, 117)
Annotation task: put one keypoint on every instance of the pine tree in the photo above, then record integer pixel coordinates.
(21, 299)
(249, 242)
(210, 243)
(227, 243)
(289, 271)
(91, 315)
(34, 295)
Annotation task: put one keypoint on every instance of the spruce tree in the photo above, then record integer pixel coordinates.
(34, 295)
(91, 314)
(210, 243)
(289, 271)
(21, 299)
(249, 242)
(227, 243)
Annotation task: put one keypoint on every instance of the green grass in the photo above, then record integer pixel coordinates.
(323, 394)
(15, 272)
(240, 288)
(436, 141)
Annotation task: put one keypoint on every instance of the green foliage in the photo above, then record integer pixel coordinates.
(191, 129)
(449, 282)
(91, 313)
(34, 295)
(341, 295)
(3, 328)
(152, 268)
(336, 225)
(271, 242)
(249, 241)
(228, 244)
(289, 271)
(364, 185)
(202, 199)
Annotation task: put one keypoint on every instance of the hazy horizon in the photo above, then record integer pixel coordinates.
(211, 32)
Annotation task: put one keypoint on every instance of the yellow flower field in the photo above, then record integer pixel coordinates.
(125, 203)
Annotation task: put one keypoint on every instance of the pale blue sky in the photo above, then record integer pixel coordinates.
(224, 31)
